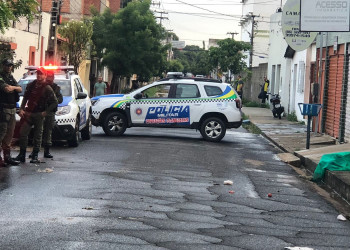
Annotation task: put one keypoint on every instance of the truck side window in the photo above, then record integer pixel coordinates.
(213, 90)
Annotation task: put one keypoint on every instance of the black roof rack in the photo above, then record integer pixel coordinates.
(196, 79)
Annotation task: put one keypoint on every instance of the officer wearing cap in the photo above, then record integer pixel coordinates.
(38, 100)
(9, 96)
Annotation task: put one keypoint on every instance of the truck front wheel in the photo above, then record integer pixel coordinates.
(114, 124)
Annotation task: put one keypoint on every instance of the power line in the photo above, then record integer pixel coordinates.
(229, 3)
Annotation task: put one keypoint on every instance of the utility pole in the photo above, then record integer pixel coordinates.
(161, 15)
(252, 17)
(168, 41)
(55, 20)
(232, 34)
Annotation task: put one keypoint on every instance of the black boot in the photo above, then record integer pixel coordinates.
(30, 155)
(35, 157)
(47, 152)
(9, 160)
(22, 155)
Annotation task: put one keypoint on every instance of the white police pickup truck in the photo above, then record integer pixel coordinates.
(202, 104)
(73, 116)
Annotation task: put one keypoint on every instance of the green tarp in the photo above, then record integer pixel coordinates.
(332, 162)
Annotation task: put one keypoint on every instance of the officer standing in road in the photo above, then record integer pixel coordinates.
(49, 121)
(38, 100)
(9, 96)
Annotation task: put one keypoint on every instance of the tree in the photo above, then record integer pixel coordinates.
(130, 42)
(194, 59)
(12, 10)
(228, 56)
(78, 38)
(175, 66)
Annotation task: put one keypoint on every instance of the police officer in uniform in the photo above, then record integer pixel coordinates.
(49, 121)
(9, 95)
(38, 100)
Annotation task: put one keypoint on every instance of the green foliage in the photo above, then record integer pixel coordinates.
(292, 117)
(10, 54)
(12, 10)
(194, 59)
(126, 91)
(130, 41)
(252, 128)
(175, 66)
(251, 104)
(78, 35)
(229, 56)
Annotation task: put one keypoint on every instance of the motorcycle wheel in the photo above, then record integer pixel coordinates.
(275, 114)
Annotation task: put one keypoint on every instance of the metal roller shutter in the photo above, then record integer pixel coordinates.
(347, 119)
(334, 95)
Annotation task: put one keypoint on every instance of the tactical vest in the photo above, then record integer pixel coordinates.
(8, 100)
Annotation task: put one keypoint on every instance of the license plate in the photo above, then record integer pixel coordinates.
(277, 105)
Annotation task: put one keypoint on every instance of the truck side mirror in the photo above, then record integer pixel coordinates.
(138, 96)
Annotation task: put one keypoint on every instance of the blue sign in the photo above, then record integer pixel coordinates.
(168, 115)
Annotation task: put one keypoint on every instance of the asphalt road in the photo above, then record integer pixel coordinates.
(163, 189)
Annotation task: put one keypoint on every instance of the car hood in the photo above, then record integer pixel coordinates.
(115, 96)
(113, 100)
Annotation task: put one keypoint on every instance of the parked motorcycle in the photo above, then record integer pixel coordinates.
(277, 108)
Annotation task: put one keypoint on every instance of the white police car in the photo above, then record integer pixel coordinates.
(202, 104)
(73, 116)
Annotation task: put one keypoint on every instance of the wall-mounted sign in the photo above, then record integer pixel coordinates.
(322, 16)
(298, 40)
(178, 44)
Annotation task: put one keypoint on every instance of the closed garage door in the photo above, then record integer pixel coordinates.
(347, 121)
(335, 81)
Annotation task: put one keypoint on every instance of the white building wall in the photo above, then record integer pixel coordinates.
(297, 86)
(24, 39)
(279, 82)
(263, 9)
(288, 77)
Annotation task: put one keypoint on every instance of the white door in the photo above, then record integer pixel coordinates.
(152, 107)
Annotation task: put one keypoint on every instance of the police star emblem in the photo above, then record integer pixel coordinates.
(138, 111)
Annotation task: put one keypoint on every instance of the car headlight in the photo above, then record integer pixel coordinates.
(63, 110)
(94, 102)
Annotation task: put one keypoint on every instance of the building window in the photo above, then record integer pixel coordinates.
(301, 77)
(31, 60)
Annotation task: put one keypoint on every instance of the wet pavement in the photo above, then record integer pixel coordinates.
(163, 189)
(291, 138)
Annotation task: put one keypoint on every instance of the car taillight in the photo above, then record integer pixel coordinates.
(238, 103)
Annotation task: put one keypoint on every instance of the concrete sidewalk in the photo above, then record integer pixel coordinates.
(291, 138)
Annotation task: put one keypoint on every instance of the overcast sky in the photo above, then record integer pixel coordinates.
(195, 21)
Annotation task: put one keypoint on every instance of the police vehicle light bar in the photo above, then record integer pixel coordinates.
(51, 67)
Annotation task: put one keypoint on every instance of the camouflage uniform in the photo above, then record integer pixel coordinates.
(7, 116)
(38, 98)
(49, 121)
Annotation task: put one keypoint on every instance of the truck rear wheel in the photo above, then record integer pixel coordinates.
(213, 129)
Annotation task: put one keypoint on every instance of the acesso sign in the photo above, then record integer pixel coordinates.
(332, 4)
(323, 16)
